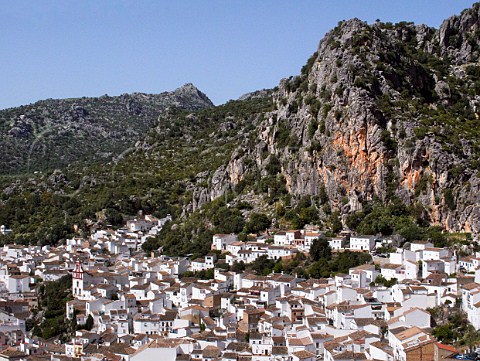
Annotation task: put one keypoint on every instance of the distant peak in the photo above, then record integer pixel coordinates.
(189, 89)
(187, 86)
(351, 25)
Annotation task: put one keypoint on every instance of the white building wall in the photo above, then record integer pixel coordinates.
(155, 354)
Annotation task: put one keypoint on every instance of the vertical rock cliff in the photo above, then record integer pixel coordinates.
(380, 111)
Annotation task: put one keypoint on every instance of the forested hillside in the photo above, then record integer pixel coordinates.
(379, 133)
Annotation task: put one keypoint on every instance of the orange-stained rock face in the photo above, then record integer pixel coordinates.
(364, 162)
(288, 182)
(411, 177)
(236, 171)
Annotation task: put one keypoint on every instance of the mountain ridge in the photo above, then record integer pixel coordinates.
(378, 132)
(109, 125)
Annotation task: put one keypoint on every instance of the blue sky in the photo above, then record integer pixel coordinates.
(61, 49)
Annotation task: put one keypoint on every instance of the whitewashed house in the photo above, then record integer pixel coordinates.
(337, 244)
(362, 243)
(220, 241)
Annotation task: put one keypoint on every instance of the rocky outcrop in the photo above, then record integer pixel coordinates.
(368, 118)
(459, 36)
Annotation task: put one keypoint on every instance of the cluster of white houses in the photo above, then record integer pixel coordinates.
(142, 307)
(283, 245)
(123, 241)
(275, 317)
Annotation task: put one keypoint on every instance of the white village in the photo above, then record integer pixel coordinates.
(128, 305)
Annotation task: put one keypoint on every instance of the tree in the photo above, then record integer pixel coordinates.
(380, 280)
(319, 269)
(151, 244)
(257, 222)
(89, 323)
(354, 219)
(238, 267)
(263, 265)
(205, 274)
(320, 249)
(273, 167)
(335, 223)
(113, 217)
(228, 220)
(407, 228)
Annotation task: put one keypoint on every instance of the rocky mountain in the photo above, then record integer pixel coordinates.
(52, 134)
(379, 112)
(158, 175)
(380, 132)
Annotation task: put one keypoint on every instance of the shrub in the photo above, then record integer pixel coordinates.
(273, 167)
(449, 199)
(312, 127)
(257, 222)
(320, 248)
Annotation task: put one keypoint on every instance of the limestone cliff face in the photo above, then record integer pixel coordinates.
(458, 36)
(379, 111)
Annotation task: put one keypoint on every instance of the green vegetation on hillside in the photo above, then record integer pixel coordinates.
(52, 299)
(52, 134)
(396, 218)
(452, 327)
(413, 93)
(179, 154)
